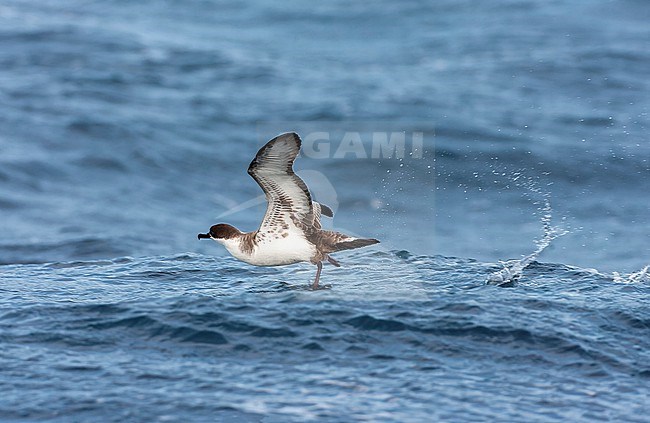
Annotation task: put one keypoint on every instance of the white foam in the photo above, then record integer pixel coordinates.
(642, 275)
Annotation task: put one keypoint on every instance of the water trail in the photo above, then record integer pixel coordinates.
(642, 275)
(512, 269)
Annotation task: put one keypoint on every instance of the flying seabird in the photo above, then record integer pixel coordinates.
(291, 230)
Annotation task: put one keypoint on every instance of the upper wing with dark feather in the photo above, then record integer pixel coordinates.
(286, 193)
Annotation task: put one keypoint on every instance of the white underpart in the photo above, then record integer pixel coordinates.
(272, 250)
(280, 251)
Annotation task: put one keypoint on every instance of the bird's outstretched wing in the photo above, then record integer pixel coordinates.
(288, 196)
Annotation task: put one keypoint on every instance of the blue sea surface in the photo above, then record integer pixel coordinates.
(512, 279)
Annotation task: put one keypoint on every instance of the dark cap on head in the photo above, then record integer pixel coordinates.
(221, 231)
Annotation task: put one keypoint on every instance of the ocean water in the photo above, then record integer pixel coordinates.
(512, 281)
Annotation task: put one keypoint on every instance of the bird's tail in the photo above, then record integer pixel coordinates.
(351, 243)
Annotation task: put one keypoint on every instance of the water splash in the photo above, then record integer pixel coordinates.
(513, 269)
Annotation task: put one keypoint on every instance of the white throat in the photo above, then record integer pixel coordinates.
(233, 245)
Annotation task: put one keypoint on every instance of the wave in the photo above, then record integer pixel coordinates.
(415, 328)
(44, 252)
(206, 324)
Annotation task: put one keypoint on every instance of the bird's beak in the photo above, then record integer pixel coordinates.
(207, 236)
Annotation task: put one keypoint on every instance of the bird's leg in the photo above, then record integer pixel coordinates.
(333, 262)
(320, 267)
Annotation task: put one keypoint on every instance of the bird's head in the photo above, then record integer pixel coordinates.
(221, 232)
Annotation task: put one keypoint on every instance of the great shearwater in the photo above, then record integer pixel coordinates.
(291, 230)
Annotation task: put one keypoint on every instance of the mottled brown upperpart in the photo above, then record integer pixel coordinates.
(248, 242)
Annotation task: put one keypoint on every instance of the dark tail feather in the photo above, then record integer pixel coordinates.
(326, 211)
(355, 243)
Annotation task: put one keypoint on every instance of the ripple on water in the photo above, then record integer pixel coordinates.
(384, 322)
